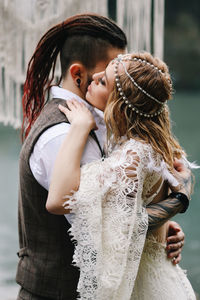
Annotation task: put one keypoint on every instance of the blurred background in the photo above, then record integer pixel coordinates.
(182, 54)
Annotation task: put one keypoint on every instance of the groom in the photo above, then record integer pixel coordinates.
(86, 44)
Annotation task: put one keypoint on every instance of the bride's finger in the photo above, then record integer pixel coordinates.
(82, 104)
(79, 105)
(70, 104)
(75, 103)
(63, 109)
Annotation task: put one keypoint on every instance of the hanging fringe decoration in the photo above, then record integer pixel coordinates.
(135, 19)
(23, 22)
(159, 8)
(143, 22)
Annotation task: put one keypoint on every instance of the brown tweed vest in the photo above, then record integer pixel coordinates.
(45, 265)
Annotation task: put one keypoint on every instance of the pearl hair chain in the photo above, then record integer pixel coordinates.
(123, 58)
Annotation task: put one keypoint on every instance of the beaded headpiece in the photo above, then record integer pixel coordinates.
(126, 57)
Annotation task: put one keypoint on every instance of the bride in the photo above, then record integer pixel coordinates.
(117, 258)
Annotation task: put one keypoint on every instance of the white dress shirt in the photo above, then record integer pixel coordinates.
(46, 148)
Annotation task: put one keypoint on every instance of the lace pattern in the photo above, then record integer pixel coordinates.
(110, 223)
(110, 220)
(152, 282)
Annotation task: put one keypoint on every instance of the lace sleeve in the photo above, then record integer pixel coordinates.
(109, 226)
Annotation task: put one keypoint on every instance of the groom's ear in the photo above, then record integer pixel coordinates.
(78, 71)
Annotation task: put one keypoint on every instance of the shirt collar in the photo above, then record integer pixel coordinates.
(59, 92)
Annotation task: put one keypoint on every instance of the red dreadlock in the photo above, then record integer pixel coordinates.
(43, 61)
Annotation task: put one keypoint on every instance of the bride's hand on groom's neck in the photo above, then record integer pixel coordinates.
(79, 115)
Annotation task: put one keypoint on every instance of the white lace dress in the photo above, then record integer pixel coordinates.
(110, 225)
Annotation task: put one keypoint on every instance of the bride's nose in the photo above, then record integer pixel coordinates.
(95, 78)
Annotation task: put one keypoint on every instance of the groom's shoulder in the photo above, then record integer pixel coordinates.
(50, 115)
(49, 123)
(51, 109)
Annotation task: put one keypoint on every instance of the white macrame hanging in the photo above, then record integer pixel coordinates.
(158, 39)
(23, 22)
(143, 23)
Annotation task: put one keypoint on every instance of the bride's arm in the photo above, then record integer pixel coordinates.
(66, 172)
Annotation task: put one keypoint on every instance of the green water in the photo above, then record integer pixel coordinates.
(185, 112)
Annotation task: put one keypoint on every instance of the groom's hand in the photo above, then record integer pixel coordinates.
(175, 242)
(183, 176)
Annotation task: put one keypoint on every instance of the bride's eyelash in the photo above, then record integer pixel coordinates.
(102, 81)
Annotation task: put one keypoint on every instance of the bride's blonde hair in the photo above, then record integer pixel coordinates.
(122, 120)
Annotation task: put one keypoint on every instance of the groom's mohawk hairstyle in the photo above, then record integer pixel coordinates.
(84, 38)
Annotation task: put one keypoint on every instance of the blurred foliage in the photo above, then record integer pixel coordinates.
(182, 42)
